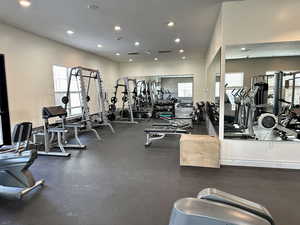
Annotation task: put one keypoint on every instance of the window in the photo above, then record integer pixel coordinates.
(185, 90)
(233, 81)
(287, 91)
(217, 89)
(60, 77)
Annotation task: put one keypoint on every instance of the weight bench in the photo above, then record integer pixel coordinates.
(173, 125)
(159, 133)
(61, 140)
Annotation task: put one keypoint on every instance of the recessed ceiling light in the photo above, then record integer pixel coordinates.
(99, 46)
(183, 57)
(25, 3)
(177, 40)
(243, 49)
(117, 53)
(137, 43)
(155, 59)
(171, 24)
(118, 28)
(70, 32)
(181, 51)
(130, 60)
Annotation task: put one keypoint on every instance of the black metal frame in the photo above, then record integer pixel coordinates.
(4, 108)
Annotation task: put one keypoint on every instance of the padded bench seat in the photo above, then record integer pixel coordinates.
(171, 125)
(167, 131)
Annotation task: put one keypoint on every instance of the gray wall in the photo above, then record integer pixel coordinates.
(171, 84)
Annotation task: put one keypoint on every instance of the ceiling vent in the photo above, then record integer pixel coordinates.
(93, 6)
(133, 53)
(164, 51)
(148, 52)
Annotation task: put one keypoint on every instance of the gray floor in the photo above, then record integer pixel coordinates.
(118, 182)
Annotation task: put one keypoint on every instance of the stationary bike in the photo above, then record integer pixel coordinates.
(16, 180)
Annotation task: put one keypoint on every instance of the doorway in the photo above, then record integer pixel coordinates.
(5, 130)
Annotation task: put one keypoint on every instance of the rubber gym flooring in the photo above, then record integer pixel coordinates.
(119, 182)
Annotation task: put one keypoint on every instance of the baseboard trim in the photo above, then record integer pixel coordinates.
(261, 163)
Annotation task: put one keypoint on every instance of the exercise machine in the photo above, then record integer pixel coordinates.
(245, 111)
(270, 122)
(126, 113)
(214, 207)
(82, 78)
(16, 180)
(142, 101)
(58, 131)
(159, 131)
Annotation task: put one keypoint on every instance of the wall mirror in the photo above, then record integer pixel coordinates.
(179, 88)
(262, 92)
(213, 94)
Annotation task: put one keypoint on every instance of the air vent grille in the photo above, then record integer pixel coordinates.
(133, 53)
(164, 51)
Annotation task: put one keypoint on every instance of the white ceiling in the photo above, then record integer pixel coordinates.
(141, 20)
(263, 50)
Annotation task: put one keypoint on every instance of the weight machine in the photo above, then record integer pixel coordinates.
(125, 114)
(244, 113)
(279, 82)
(59, 131)
(142, 98)
(83, 78)
(282, 120)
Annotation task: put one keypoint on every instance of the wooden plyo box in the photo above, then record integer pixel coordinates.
(200, 151)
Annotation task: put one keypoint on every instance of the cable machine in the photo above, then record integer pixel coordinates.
(83, 78)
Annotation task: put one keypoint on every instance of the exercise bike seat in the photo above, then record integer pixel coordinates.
(214, 195)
